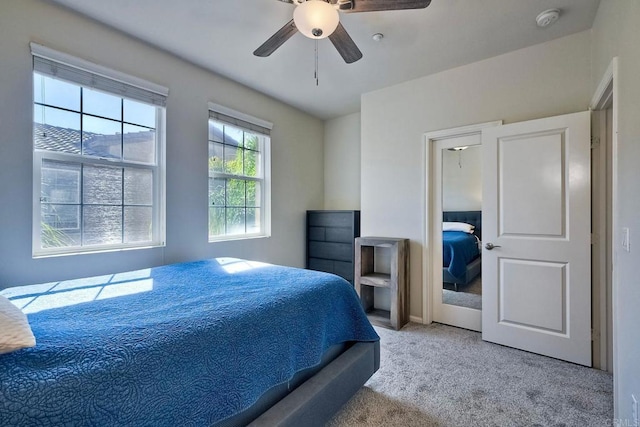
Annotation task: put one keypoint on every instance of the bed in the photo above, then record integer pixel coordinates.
(220, 342)
(461, 256)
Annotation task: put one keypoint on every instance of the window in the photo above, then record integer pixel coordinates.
(98, 147)
(239, 166)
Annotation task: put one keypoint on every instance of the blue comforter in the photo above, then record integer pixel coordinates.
(184, 344)
(458, 250)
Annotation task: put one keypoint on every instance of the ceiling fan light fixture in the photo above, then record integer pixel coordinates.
(316, 19)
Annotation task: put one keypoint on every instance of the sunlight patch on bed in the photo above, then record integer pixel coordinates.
(32, 299)
(82, 283)
(58, 299)
(126, 288)
(28, 290)
(131, 275)
(235, 265)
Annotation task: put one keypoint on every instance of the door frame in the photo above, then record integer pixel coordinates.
(604, 286)
(430, 138)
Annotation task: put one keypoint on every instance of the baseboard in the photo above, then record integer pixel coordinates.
(415, 319)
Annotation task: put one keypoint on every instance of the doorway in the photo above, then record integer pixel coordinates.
(604, 166)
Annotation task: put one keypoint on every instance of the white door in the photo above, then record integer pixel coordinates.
(536, 214)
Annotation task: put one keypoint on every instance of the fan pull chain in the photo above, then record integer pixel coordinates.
(316, 69)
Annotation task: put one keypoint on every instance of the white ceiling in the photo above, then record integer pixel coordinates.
(221, 35)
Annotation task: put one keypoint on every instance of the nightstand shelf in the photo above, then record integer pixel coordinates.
(379, 317)
(379, 280)
(389, 273)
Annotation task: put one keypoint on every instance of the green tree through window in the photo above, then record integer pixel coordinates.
(235, 181)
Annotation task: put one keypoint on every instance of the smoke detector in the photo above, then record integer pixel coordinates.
(547, 17)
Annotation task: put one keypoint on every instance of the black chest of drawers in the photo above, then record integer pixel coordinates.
(331, 241)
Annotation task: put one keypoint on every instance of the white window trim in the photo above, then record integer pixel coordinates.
(239, 115)
(65, 58)
(266, 156)
(159, 191)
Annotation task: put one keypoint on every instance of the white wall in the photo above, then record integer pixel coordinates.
(297, 149)
(342, 162)
(462, 179)
(543, 80)
(615, 33)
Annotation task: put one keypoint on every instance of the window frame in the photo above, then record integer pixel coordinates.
(158, 167)
(261, 128)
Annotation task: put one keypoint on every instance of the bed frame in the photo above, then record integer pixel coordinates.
(474, 267)
(318, 393)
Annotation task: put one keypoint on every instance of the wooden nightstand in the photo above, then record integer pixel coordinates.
(391, 274)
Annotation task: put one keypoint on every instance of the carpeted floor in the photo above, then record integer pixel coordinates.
(438, 375)
(466, 296)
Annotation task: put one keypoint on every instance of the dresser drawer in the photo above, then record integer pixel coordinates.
(331, 219)
(344, 269)
(317, 233)
(329, 250)
(339, 268)
(330, 234)
(340, 235)
(318, 264)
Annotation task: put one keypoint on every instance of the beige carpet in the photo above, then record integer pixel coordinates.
(439, 375)
(467, 296)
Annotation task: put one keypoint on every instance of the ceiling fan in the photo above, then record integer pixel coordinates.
(318, 19)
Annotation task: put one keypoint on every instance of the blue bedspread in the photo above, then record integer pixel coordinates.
(178, 345)
(458, 249)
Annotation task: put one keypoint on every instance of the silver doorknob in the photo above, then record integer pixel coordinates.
(490, 246)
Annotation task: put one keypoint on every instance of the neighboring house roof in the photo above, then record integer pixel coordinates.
(64, 140)
(53, 138)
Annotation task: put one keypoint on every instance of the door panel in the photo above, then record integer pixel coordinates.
(541, 212)
(533, 294)
(536, 211)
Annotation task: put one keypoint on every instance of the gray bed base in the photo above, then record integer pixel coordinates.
(318, 392)
(473, 269)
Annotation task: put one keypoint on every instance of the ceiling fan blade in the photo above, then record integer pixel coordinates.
(345, 45)
(377, 5)
(276, 40)
(287, 1)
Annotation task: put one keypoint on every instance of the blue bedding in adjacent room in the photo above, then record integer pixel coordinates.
(184, 344)
(458, 249)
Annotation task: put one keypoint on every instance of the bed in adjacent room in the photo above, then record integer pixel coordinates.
(221, 342)
(461, 238)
